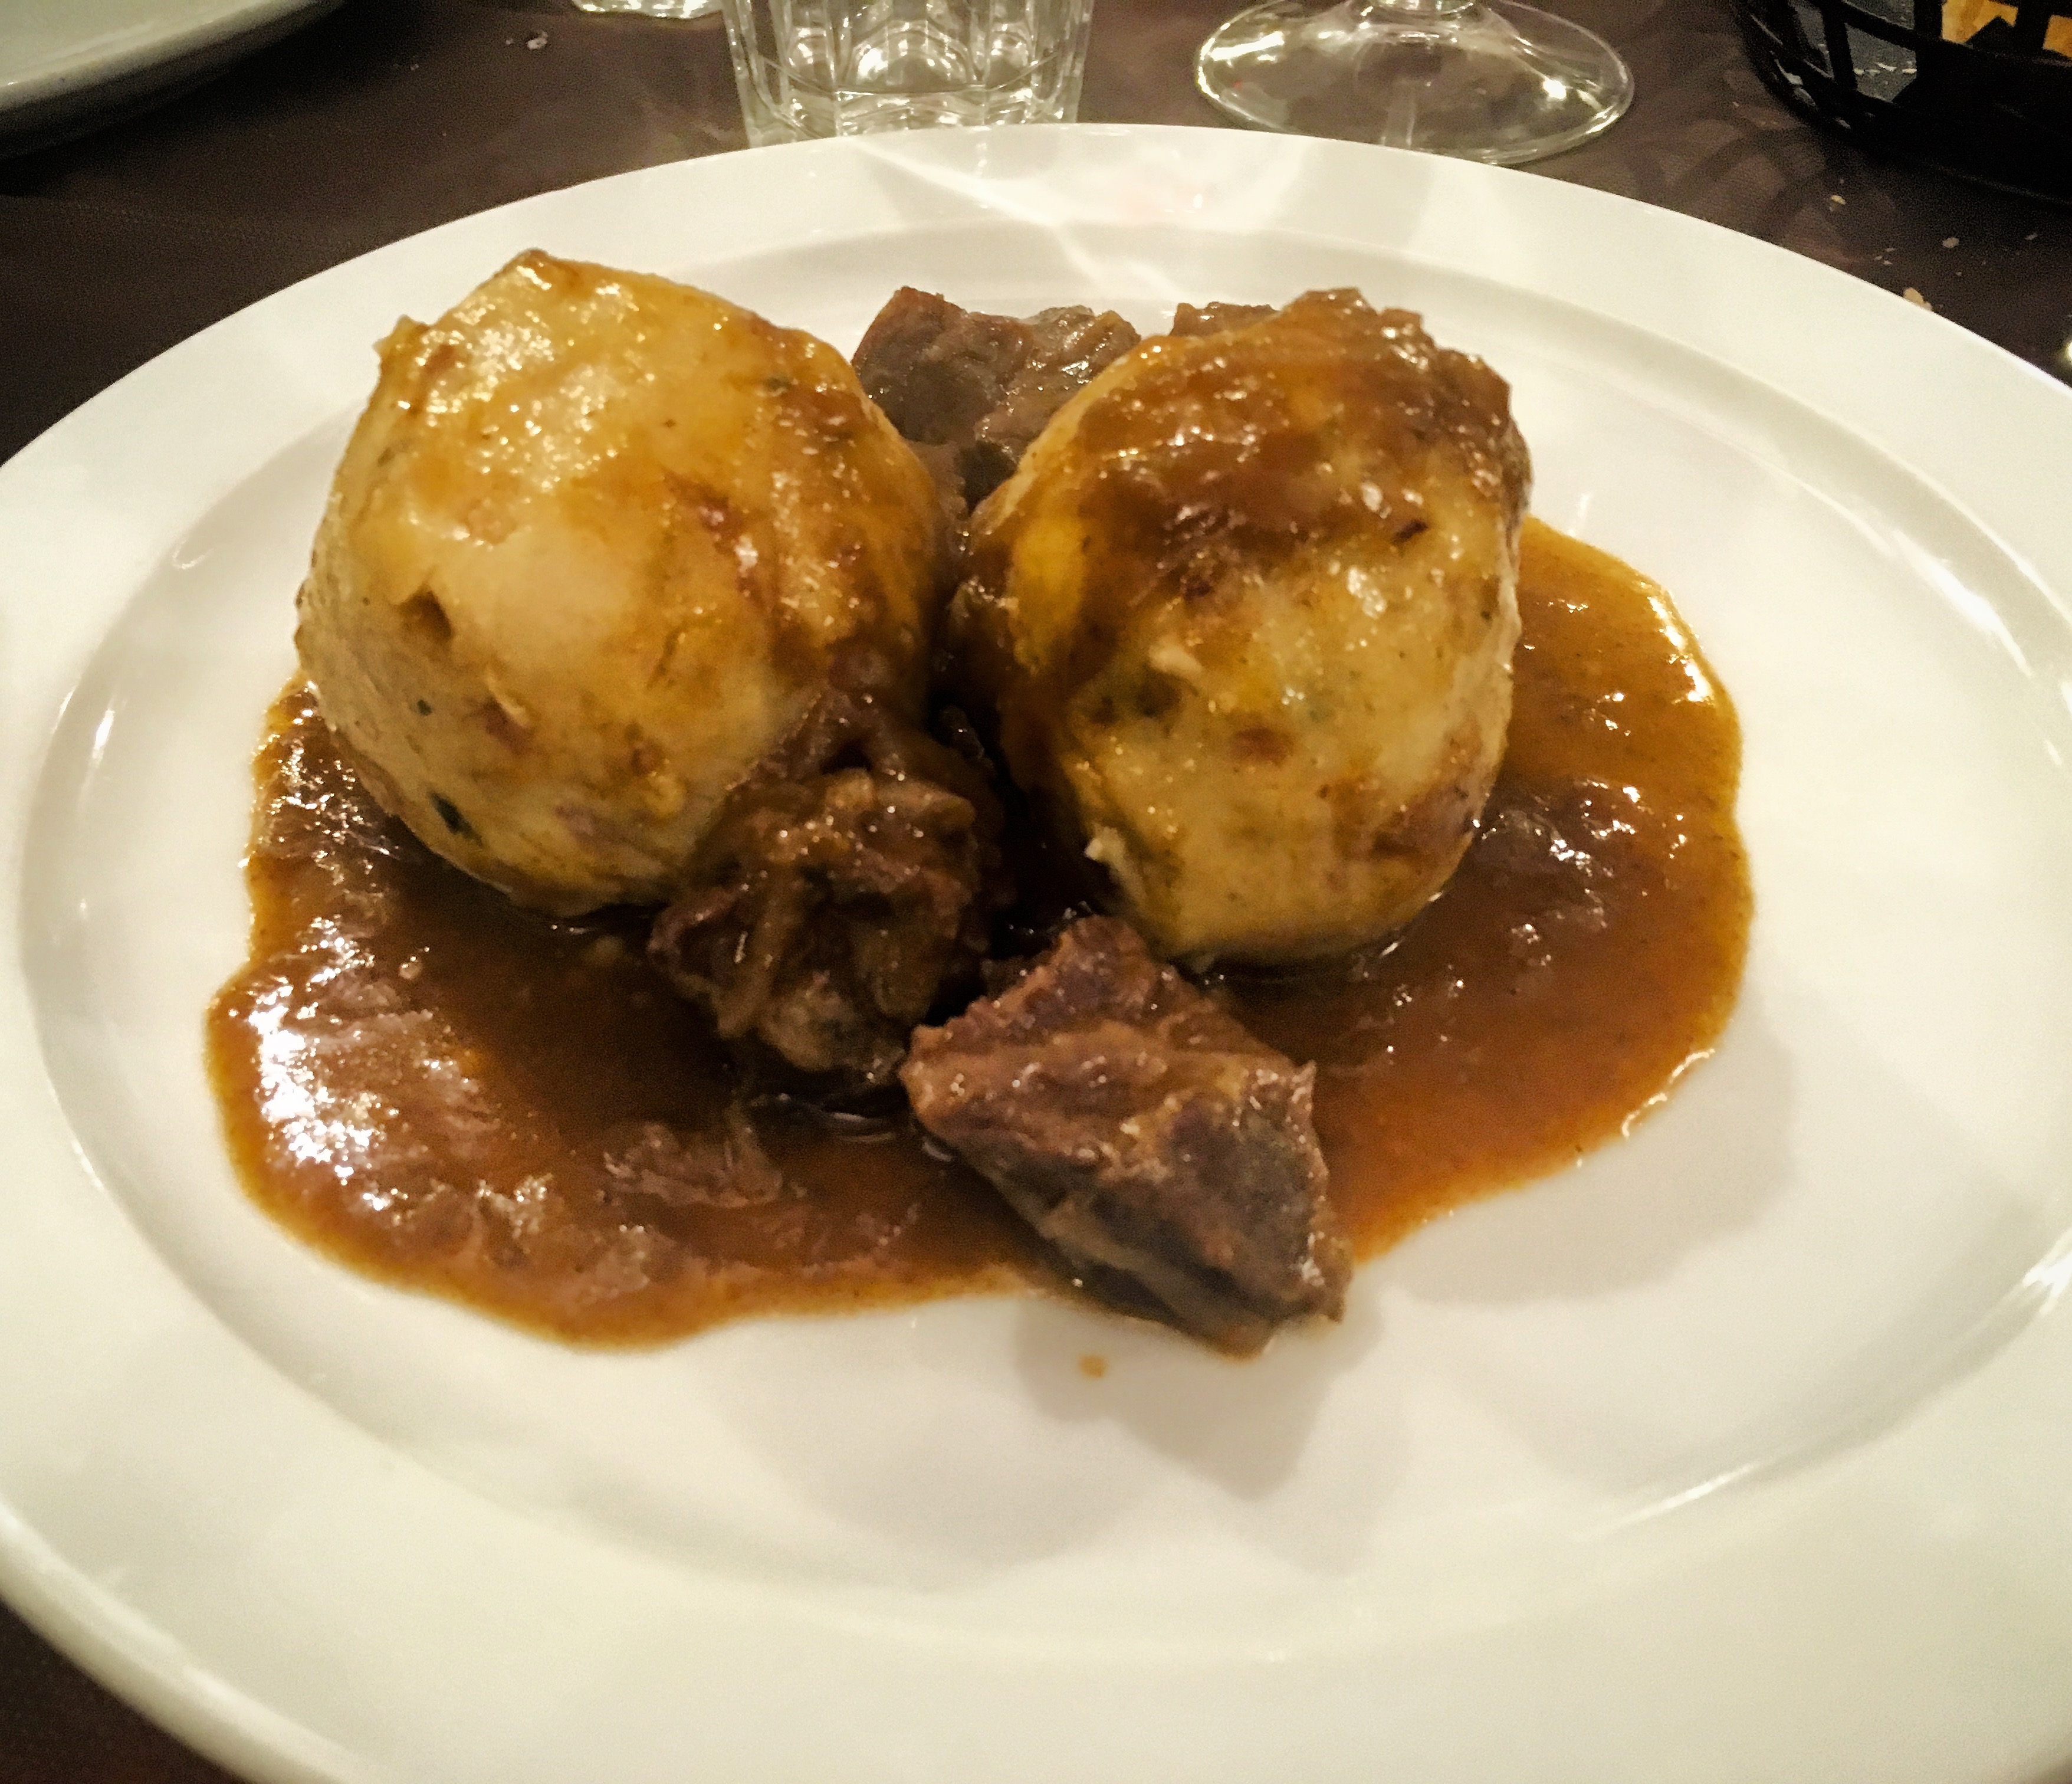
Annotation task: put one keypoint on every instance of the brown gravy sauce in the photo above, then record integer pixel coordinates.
(445, 1091)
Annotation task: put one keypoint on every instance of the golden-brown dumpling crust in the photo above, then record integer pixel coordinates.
(1243, 618)
(587, 557)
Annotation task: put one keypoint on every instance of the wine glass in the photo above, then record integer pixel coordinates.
(1484, 79)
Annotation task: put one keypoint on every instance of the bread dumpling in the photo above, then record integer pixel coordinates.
(1241, 622)
(589, 555)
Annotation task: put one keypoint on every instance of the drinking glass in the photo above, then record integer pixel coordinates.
(652, 9)
(842, 67)
(1487, 79)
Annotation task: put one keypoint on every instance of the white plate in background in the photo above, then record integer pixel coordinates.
(63, 60)
(1742, 1452)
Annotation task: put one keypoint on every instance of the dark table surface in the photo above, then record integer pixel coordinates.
(387, 116)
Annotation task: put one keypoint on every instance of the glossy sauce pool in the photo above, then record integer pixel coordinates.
(444, 1091)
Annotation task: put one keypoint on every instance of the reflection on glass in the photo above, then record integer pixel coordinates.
(1484, 79)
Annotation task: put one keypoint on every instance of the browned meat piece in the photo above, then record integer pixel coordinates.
(1217, 319)
(848, 882)
(729, 1169)
(1167, 1155)
(982, 385)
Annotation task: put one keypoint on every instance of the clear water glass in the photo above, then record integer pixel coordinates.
(844, 68)
(652, 9)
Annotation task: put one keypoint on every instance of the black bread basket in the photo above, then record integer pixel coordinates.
(1893, 74)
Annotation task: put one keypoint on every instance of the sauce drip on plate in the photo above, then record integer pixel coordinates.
(447, 1092)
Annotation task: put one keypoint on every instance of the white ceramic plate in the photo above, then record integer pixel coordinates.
(63, 59)
(1743, 1452)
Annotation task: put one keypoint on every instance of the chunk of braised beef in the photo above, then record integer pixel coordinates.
(971, 390)
(682, 1168)
(1168, 1156)
(1217, 319)
(845, 888)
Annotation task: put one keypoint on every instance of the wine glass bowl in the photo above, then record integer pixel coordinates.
(1484, 79)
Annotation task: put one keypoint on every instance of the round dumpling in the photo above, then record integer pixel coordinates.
(596, 546)
(1243, 620)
